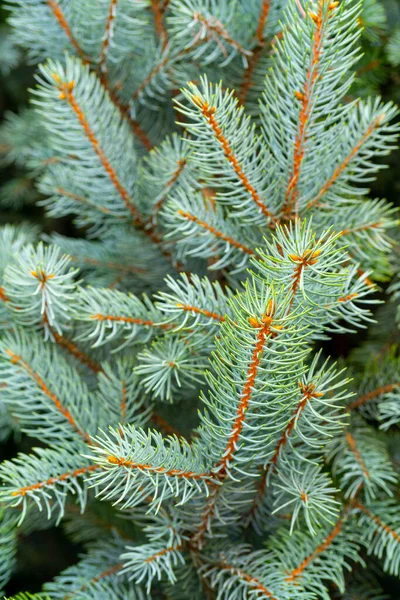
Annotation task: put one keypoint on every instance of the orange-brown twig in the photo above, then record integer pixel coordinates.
(41, 484)
(209, 114)
(59, 15)
(129, 464)
(353, 447)
(304, 97)
(218, 234)
(339, 169)
(18, 360)
(296, 573)
(383, 389)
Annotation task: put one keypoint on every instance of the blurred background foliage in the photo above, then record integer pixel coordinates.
(378, 73)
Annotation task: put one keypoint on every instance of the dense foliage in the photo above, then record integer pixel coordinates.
(170, 357)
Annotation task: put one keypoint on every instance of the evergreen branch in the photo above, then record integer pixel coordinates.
(353, 447)
(124, 110)
(201, 311)
(62, 21)
(380, 528)
(215, 232)
(320, 549)
(210, 112)
(39, 383)
(98, 574)
(158, 21)
(205, 33)
(249, 73)
(40, 287)
(153, 73)
(188, 301)
(122, 462)
(43, 479)
(380, 391)
(107, 36)
(166, 167)
(307, 133)
(344, 164)
(103, 575)
(138, 465)
(376, 519)
(265, 6)
(317, 417)
(361, 460)
(305, 98)
(169, 365)
(15, 359)
(107, 314)
(66, 93)
(254, 584)
(106, 161)
(206, 233)
(216, 27)
(308, 392)
(181, 164)
(23, 491)
(308, 492)
(81, 200)
(241, 573)
(263, 335)
(75, 351)
(144, 563)
(104, 262)
(120, 394)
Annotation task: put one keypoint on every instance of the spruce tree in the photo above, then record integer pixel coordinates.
(171, 365)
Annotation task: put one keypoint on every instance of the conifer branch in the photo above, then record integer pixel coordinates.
(60, 17)
(305, 98)
(254, 584)
(377, 520)
(345, 163)
(265, 6)
(129, 464)
(216, 233)
(353, 447)
(201, 311)
(373, 394)
(158, 21)
(54, 480)
(75, 351)
(66, 93)
(124, 110)
(83, 200)
(308, 392)
(209, 115)
(249, 73)
(103, 575)
(16, 359)
(262, 338)
(181, 164)
(380, 531)
(216, 28)
(153, 73)
(321, 548)
(107, 36)
(133, 320)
